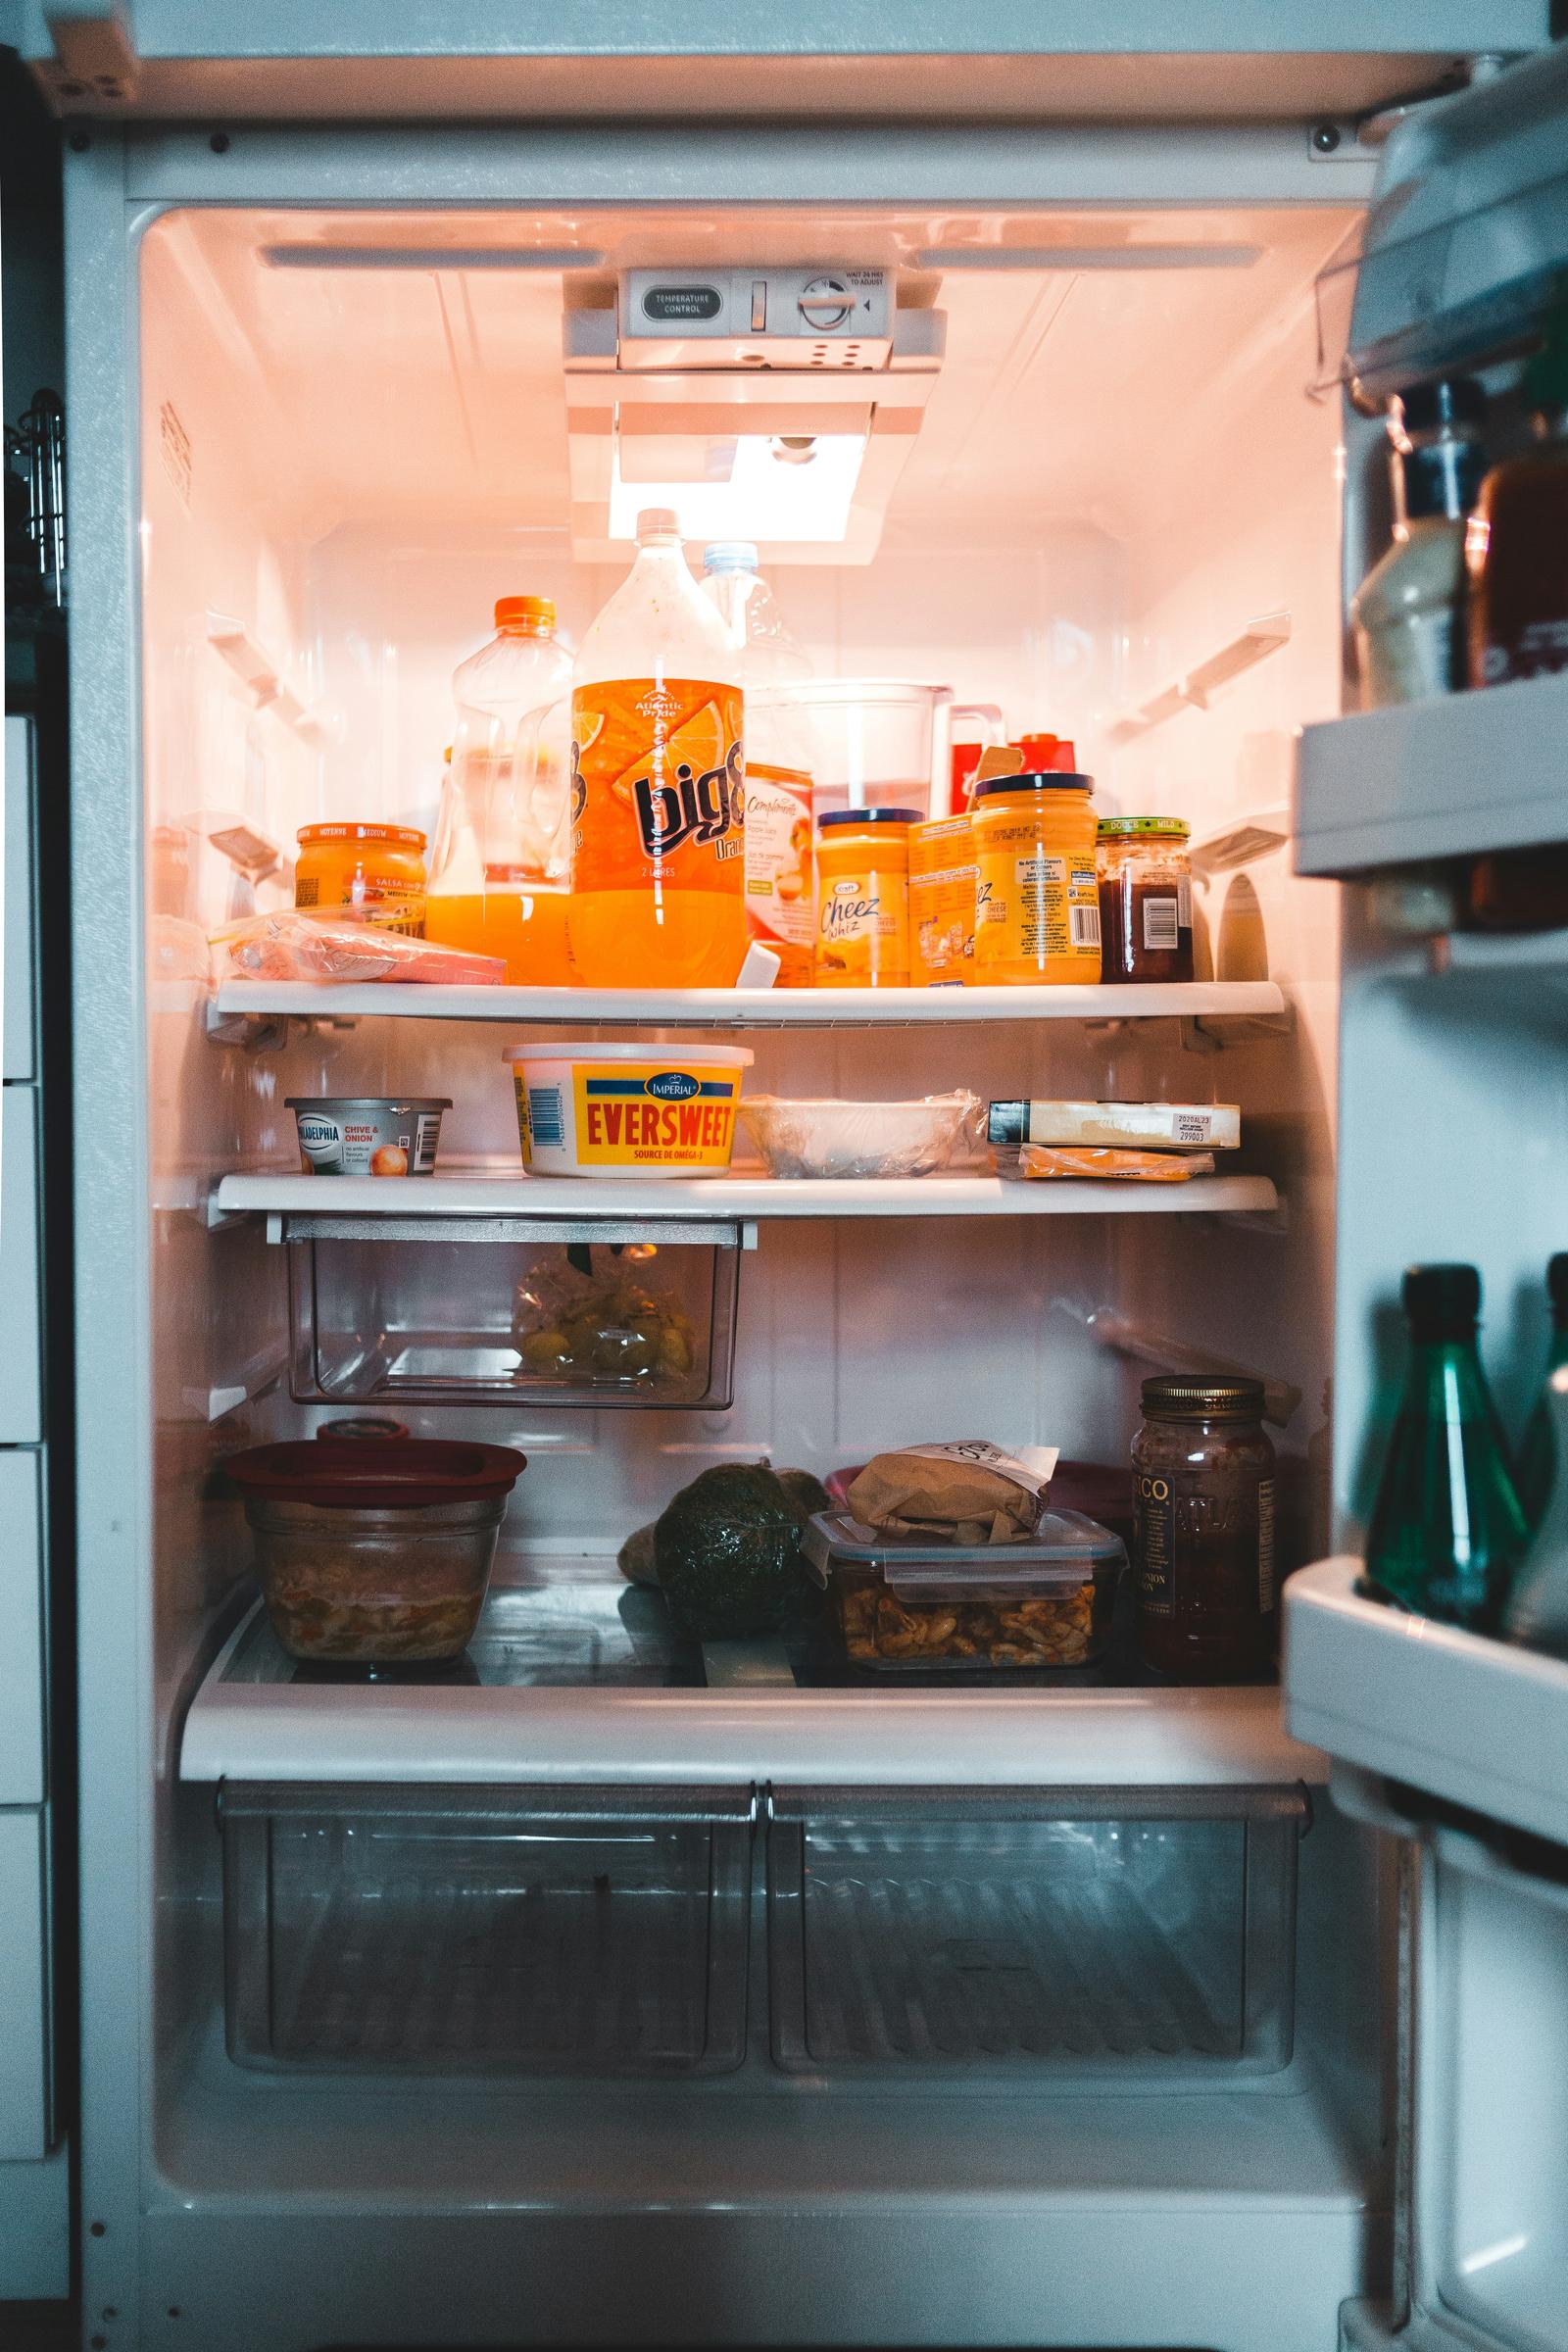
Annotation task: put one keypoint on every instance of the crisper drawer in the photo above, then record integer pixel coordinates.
(1126, 1934)
(474, 1931)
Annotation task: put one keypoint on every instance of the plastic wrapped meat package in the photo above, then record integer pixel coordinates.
(860, 1139)
(291, 944)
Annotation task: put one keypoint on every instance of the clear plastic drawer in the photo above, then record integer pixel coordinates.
(448, 1310)
(474, 1931)
(1144, 1936)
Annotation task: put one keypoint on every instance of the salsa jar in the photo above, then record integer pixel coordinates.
(1146, 899)
(377, 870)
(1203, 1530)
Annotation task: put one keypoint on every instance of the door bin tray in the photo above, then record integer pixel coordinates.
(470, 1931)
(1116, 1934)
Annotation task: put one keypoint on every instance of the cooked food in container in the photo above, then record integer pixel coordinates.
(906, 1604)
(859, 1138)
(375, 1553)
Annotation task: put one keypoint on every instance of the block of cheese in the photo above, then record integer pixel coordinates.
(1133, 1126)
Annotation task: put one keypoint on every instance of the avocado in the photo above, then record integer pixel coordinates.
(727, 1549)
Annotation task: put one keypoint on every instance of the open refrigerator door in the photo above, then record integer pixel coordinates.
(1453, 1742)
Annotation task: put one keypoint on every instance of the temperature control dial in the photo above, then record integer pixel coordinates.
(826, 302)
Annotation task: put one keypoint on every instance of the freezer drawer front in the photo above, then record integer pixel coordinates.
(1120, 1937)
(21, 1386)
(18, 1027)
(474, 1931)
(24, 2026)
(22, 1654)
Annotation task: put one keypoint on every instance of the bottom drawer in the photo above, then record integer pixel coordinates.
(471, 1931)
(1138, 1934)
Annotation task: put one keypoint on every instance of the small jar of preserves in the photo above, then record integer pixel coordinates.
(1203, 1530)
(1146, 899)
(377, 870)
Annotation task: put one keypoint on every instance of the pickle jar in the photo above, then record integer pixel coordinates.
(1203, 1530)
(1146, 899)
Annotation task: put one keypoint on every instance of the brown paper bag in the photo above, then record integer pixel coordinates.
(968, 1491)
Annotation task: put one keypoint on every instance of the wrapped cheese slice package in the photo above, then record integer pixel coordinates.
(965, 1492)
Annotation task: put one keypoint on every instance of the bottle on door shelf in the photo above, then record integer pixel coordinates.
(1408, 614)
(1204, 1528)
(1448, 1531)
(497, 882)
(1538, 1448)
(1537, 1611)
(863, 896)
(1146, 899)
(1518, 577)
(781, 894)
(658, 782)
(1037, 893)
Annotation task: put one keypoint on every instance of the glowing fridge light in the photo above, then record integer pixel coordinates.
(764, 497)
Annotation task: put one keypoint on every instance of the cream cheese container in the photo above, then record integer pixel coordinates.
(1134, 1126)
(642, 1110)
(368, 1135)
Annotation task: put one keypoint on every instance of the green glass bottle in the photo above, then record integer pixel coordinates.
(1538, 1448)
(1448, 1531)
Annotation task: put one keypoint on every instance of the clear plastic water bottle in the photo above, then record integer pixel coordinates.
(781, 892)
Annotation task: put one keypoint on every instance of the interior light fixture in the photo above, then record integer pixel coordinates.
(1087, 257)
(807, 498)
(431, 257)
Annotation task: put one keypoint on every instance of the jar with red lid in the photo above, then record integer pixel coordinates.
(1203, 1530)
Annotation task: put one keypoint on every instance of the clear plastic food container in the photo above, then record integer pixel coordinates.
(374, 1554)
(913, 1607)
(857, 1139)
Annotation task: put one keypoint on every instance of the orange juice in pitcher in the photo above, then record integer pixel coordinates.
(658, 783)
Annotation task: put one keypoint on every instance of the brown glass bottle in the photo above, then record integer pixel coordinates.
(1203, 1530)
(1514, 551)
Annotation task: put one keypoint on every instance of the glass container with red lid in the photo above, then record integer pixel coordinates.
(374, 1553)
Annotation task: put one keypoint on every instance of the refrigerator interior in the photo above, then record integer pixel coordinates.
(1118, 468)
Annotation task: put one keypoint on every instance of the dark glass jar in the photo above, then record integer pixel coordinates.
(1146, 899)
(1203, 1530)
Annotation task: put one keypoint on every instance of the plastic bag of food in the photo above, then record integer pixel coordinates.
(1045, 1160)
(294, 943)
(621, 1323)
(857, 1139)
(965, 1491)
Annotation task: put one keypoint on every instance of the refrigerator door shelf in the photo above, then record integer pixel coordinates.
(1473, 1722)
(1449, 778)
(1213, 1002)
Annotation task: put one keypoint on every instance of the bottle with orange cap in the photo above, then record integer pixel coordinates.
(497, 882)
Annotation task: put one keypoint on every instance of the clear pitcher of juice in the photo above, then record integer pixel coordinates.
(499, 862)
(658, 783)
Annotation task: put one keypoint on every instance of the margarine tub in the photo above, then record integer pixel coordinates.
(641, 1110)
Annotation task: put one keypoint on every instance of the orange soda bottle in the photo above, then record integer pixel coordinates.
(658, 783)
